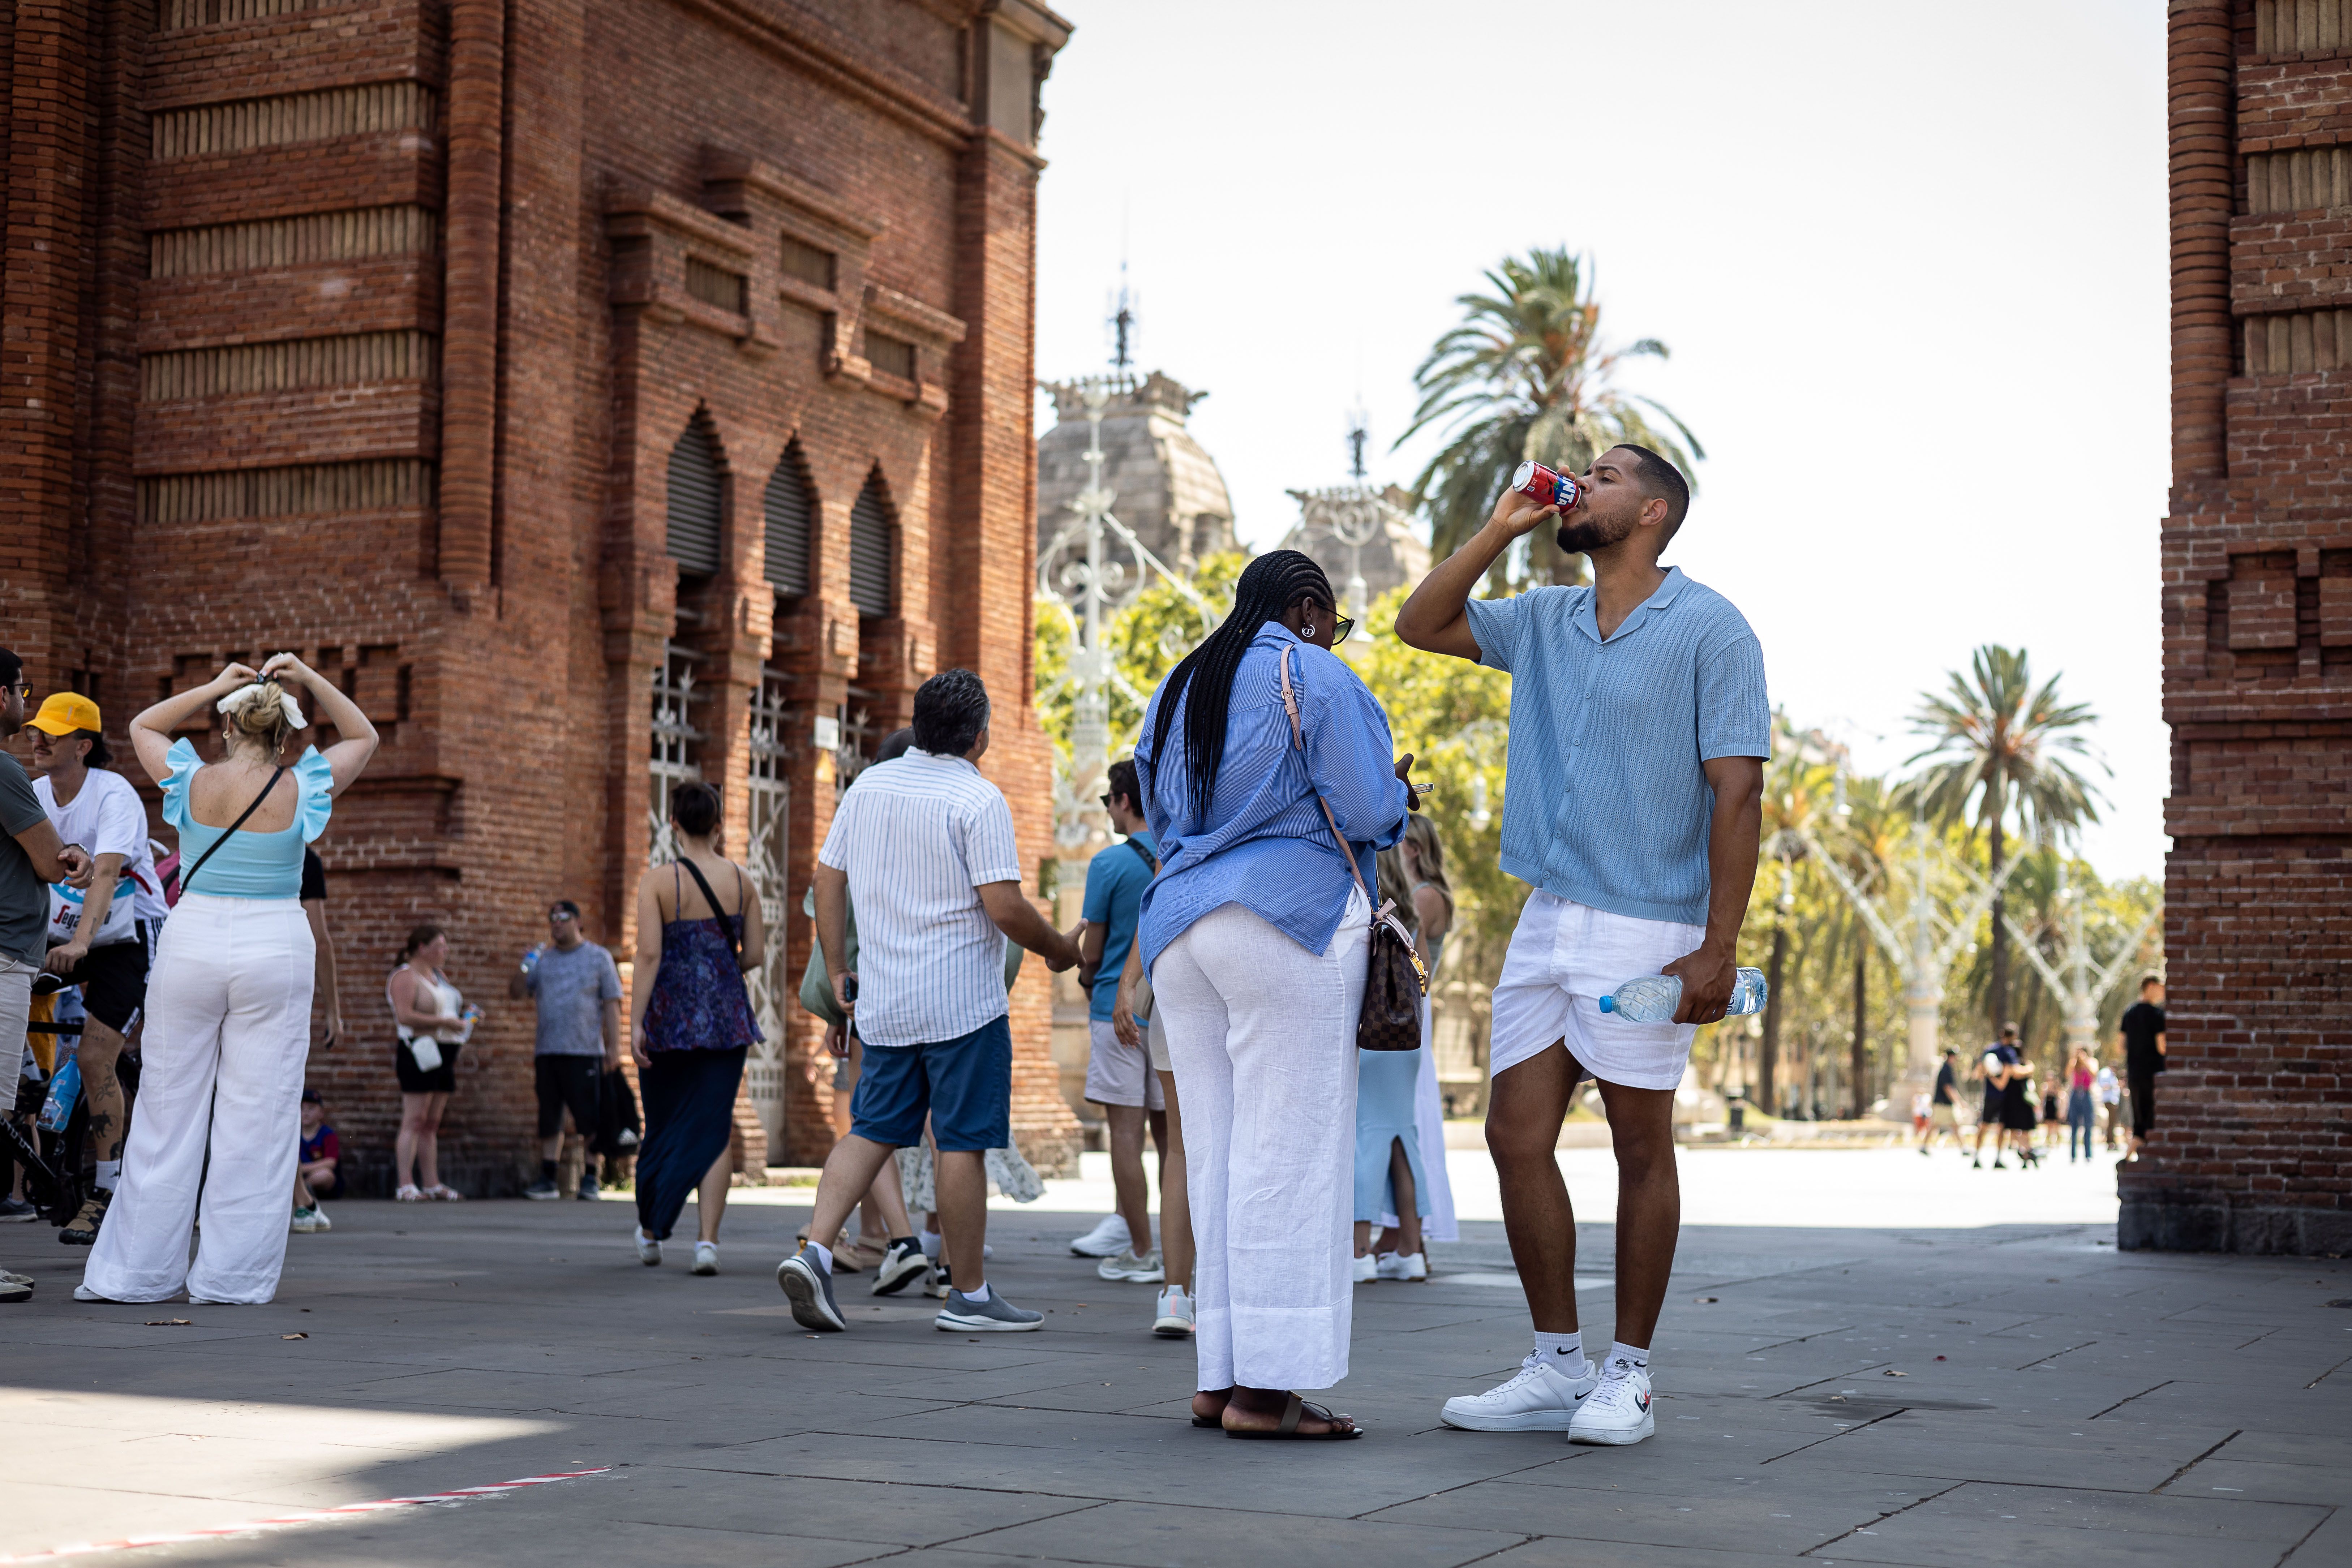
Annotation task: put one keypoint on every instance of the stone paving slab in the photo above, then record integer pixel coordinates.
(2089, 1405)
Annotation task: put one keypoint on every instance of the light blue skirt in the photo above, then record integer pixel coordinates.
(1385, 1084)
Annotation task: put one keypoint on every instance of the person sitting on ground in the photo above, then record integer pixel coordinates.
(318, 1168)
(1119, 1078)
(577, 989)
(924, 847)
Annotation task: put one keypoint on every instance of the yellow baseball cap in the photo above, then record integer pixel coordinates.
(67, 713)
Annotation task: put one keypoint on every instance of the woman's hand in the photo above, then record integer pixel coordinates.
(282, 664)
(637, 1049)
(232, 676)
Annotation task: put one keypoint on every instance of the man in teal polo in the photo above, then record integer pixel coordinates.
(1632, 805)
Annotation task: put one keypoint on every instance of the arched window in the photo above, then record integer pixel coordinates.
(788, 508)
(873, 560)
(696, 507)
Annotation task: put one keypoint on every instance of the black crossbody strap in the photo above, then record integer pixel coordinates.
(1144, 855)
(230, 832)
(734, 934)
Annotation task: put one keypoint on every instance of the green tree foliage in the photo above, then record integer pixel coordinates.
(1526, 374)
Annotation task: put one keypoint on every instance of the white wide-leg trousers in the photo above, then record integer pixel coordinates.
(1262, 1034)
(228, 1035)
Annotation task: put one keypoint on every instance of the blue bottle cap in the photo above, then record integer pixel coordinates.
(1609, 1003)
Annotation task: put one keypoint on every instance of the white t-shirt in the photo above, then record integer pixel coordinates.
(106, 817)
(918, 835)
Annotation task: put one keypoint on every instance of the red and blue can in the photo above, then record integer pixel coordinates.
(1548, 488)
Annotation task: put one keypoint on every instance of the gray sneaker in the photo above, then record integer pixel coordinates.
(808, 1285)
(995, 1315)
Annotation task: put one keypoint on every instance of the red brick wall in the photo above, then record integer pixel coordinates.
(382, 361)
(2253, 1149)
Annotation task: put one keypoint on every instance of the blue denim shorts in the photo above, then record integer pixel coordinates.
(964, 1085)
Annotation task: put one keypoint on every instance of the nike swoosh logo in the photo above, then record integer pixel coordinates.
(1582, 1392)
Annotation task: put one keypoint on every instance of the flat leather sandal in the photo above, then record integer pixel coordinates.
(1289, 1430)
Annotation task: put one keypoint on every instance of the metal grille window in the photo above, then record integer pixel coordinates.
(788, 510)
(717, 285)
(807, 263)
(696, 492)
(676, 748)
(872, 551)
(891, 356)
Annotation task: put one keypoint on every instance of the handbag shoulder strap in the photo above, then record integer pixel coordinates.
(230, 832)
(734, 933)
(1298, 739)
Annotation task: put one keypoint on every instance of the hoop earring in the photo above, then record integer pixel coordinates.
(1308, 630)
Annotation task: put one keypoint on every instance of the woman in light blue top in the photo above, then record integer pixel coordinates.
(229, 998)
(1256, 936)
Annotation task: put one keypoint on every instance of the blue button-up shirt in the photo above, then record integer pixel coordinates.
(1265, 844)
(1604, 800)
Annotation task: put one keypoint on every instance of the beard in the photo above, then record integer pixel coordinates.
(1588, 533)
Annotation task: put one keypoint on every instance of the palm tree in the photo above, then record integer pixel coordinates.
(1526, 375)
(2000, 743)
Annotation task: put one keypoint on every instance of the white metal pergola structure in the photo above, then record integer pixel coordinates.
(1092, 570)
(2079, 980)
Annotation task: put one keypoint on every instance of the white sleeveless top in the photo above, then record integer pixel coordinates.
(434, 996)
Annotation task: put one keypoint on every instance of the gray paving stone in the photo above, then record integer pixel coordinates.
(2029, 1526)
(1148, 1535)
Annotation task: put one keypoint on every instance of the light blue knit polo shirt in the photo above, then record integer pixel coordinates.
(1604, 801)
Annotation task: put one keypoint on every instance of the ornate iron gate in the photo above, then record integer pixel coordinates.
(767, 854)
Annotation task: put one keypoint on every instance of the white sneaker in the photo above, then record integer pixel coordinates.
(649, 1249)
(1175, 1313)
(1618, 1411)
(1107, 1239)
(1366, 1268)
(705, 1258)
(1144, 1270)
(304, 1222)
(1413, 1268)
(319, 1220)
(1539, 1398)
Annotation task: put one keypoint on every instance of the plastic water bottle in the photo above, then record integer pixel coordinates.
(1653, 998)
(65, 1087)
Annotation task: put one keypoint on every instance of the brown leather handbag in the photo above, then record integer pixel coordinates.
(1396, 981)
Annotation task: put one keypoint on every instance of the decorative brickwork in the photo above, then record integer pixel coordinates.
(2253, 1149)
(367, 328)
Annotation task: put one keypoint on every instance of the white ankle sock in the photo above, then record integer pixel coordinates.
(1565, 1351)
(1636, 1356)
(932, 1242)
(977, 1294)
(109, 1171)
(823, 1255)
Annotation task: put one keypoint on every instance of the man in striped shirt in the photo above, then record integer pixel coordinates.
(923, 847)
(1632, 807)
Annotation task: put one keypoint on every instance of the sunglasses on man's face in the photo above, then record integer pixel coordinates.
(23, 688)
(557, 917)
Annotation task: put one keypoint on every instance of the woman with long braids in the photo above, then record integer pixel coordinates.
(1254, 935)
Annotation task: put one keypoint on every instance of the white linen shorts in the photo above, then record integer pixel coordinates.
(1117, 1074)
(1564, 957)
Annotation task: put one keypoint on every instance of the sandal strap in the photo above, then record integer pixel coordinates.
(1290, 1415)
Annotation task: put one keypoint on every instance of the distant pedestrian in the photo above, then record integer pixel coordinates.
(318, 1168)
(924, 847)
(1943, 1114)
(2110, 1090)
(432, 1021)
(2000, 1066)
(700, 931)
(1267, 777)
(2142, 1031)
(2082, 1101)
(577, 989)
(1120, 1078)
(227, 1030)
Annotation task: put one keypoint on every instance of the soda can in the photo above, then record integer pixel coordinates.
(1547, 488)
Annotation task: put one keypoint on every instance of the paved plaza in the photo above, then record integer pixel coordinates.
(1843, 1376)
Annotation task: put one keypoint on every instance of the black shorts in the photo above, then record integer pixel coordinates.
(568, 1081)
(113, 981)
(414, 1079)
(2143, 1102)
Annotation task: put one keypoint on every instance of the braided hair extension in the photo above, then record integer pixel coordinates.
(1269, 586)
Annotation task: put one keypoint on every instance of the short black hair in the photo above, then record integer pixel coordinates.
(950, 711)
(1663, 479)
(567, 906)
(695, 808)
(895, 744)
(2147, 980)
(12, 669)
(98, 756)
(1123, 784)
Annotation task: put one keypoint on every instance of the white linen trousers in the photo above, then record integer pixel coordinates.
(228, 1036)
(1261, 1036)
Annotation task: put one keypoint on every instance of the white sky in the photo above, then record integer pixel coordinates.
(1911, 260)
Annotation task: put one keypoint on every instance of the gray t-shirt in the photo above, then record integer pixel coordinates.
(571, 989)
(23, 896)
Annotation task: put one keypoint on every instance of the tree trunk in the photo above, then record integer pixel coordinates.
(1997, 993)
(1861, 1077)
(1767, 1054)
